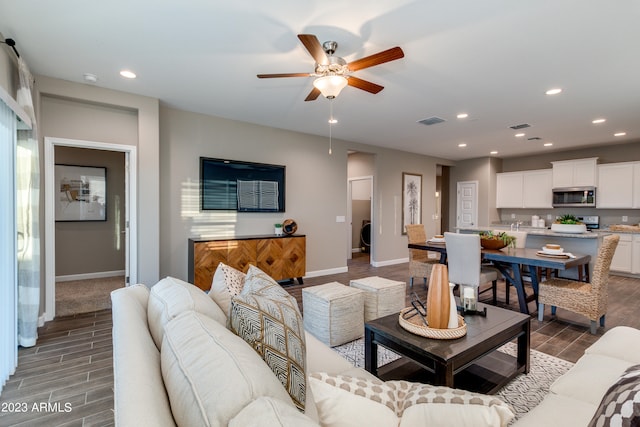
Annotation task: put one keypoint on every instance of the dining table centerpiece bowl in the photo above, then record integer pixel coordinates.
(568, 224)
(491, 240)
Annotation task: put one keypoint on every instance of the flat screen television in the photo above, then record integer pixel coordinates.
(241, 186)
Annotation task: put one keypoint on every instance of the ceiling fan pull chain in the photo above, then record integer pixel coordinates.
(330, 122)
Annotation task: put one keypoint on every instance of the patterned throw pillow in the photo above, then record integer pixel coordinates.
(227, 283)
(620, 405)
(346, 400)
(267, 317)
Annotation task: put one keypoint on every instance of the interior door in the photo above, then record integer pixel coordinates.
(467, 204)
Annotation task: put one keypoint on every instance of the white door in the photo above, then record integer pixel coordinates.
(359, 188)
(467, 205)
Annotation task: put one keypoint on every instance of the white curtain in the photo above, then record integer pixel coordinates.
(28, 216)
(8, 289)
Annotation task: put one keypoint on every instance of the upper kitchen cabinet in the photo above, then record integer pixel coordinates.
(527, 189)
(575, 173)
(509, 190)
(537, 188)
(616, 185)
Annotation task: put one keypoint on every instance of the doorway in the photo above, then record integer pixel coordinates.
(359, 217)
(127, 231)
(467, 204)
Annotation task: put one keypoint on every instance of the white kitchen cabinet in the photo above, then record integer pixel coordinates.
(575, 173)
(537, 188)
(622, 258)
(635, 255)
(615, 189)
(509, 190)
(636, 185)
(527, 189)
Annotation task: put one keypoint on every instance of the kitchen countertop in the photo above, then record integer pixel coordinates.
(539, 231)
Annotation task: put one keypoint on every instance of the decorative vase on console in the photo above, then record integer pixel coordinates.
(438, 298)
(278, 229)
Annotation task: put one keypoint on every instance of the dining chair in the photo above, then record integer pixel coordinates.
(586, 298)
(521, 242)
(420, 264)
(465, 265)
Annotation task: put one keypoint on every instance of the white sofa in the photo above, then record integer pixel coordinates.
(152, 388)
(575, 397)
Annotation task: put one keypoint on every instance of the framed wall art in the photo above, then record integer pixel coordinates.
(81, 193)
(411, 199)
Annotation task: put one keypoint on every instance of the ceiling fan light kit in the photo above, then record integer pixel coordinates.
(331, 85)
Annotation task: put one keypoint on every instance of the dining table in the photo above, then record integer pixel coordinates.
(509, 261)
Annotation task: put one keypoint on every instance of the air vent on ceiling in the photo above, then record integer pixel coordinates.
(534, 138)
(521, 126)
(431, 121)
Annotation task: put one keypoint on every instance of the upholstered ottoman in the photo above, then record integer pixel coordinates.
(333, 313)
(381, 296)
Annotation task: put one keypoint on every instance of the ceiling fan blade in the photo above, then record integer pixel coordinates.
(364, 85)
(376, 59)
(270, 76)
(313, 95)
(314, 47)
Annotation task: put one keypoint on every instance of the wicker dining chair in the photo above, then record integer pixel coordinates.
(420, 264)
(588, 299)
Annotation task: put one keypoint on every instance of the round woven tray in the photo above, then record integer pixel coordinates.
(415, 326)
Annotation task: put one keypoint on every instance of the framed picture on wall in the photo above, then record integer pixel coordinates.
(411, 199)
(80, 193)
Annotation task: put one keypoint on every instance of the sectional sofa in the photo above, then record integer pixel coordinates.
(182, 357)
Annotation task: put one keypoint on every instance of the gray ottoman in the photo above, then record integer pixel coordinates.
(333, 313)
(381, 296)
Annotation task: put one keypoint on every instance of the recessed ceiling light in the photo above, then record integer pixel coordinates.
(90, 78)
(462, 116)
(462, 145)
(519, 135)
(620, 134)
(333, 121)
(493, 152)
(553, 91)
(128, 74)
(597, 121)
(548, 144)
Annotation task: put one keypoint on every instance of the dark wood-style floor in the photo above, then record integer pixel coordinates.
(67, 378)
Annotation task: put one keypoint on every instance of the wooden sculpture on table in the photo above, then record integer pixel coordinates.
(438, 299)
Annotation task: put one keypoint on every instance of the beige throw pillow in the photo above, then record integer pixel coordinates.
(210, 373)
(227, 283)
(268, 318)
(170, 297)
(348, 401)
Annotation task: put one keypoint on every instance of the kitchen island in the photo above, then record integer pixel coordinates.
(584, 243)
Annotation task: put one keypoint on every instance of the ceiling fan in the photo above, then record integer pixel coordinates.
(333, 72)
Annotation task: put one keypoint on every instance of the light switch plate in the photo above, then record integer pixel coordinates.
(513, 216)
(340, 218)
(625, 218)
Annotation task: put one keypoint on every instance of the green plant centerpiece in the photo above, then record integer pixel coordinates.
(568, 219)
(568, 224)
(492, 240)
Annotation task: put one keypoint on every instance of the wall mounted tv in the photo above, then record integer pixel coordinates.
(241, 186)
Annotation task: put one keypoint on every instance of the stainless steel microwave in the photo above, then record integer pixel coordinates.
(574, 197)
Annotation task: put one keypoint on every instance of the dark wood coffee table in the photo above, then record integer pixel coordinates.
(471, 362)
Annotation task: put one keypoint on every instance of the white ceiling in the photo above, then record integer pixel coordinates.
(493, 59)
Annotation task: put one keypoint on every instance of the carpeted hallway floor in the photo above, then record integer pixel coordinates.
(85, 296)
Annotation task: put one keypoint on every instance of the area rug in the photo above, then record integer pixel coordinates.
(85, 296)
(523, 393)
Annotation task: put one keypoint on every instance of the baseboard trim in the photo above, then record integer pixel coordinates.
(85, 276)
(389, 262)
(327, 272)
